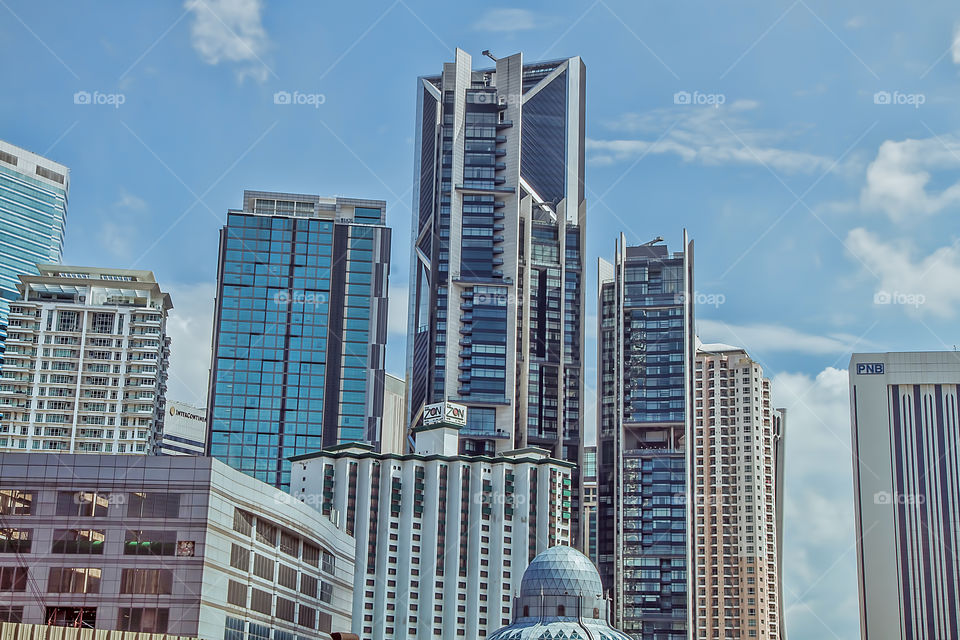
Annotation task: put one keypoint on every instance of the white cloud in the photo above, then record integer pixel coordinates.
(190, 326)
(500, 20)
(770, 338)
(119, 229)
(926, 284)
(855, 22)
(955, 47)
(898, 178)
(230, 31)
(820, 571)
(705, 135)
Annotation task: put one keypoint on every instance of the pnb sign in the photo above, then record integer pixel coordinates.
(448, 412)
(870, 368)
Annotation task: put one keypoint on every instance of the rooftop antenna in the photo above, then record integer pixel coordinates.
(486, 52)
(652, 242)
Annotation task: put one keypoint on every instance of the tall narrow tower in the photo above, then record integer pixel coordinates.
(496, 304)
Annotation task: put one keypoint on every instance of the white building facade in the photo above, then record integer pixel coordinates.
(738, 473)
(906, 470)
(184, 430)
(86, 362)
(442, 540)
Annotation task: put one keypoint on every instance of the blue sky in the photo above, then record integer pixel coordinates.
(823, 212)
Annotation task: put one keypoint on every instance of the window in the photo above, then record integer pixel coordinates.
(150, 543)
(287, 576)
(14, 502)
(148, 581)
(266, 532)
(324, 621)
(69, 580)
(311, 554)
(102, 323)
(242, 522)
(13, 578)
(147, 620)
(237, 594)
(68, 321)
(259, 631)
(15, 540)
(11, 614)
(263, 567)
(81, 541)
(289, 544)
(153, 505)
(234, 629)
(329, 562)
(307, 617)
(260, 601)
(84, 617)
(286, 609)
(326, 592)
(308, 586)
(240, 558)
(82, 503)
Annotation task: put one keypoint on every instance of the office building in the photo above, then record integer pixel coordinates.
(737, 494)
(442, 539)
(395, 437)
(496, 303)
(299, 330)
(588, 476)
(645, 371)
(561, 596)
(33, 213)
(906, 480)
(86, 362)
(173, 545)
(184, 430)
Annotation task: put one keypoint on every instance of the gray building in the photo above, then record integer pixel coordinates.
(644, 466)
(496, 301)
(299, 330)
(906, 478)
(176, 545)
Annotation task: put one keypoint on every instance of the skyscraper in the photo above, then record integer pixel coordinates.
(496, 311)
(299, 330)
(738, 471)
(33, 212)
(645, 371)
(87, 357)
(906, 480)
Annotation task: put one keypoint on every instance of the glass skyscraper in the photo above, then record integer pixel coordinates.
(299, 330)
(646, 351)
(33, 212)
(496, 312)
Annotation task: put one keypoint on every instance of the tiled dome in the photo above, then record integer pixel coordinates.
(560, 571)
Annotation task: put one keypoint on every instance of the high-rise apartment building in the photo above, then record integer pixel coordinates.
(645, 371)
(86, 362)
(588, 480)
(737, 503)
(395, 436)
(906, 478)
(496, 313)
(299, 330)
(33, 213)
(442, 539)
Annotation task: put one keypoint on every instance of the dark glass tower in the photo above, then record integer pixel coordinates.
(496, 311)
(646, 351)
(299, 330)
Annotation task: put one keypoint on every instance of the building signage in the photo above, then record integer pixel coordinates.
(448, 412)
(179, 413)
(869, 368)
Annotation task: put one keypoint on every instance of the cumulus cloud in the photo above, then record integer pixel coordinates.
(120, 226)
(927, 284)
(770, 338)
(230, 31)
(500, 20)
(820, 570)
(711, 136)
(190, 326)
(898, 178)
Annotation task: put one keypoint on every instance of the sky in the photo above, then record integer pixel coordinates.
(810, 148)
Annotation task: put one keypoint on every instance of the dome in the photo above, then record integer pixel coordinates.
(561, 571)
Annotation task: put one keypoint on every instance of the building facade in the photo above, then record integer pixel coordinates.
(906, 471)
(395, 434)
(184, 430)
(737, 514)
(496, 303)
(644, 470)
(33, 214)
(299, 330)
(180, 546)
(442, 539)
(86, 362)
(588, 476)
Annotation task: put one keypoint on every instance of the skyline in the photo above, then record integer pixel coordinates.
(137, 168)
